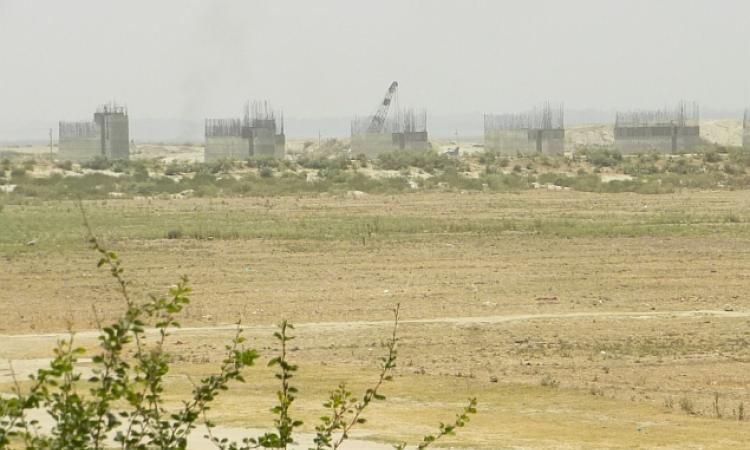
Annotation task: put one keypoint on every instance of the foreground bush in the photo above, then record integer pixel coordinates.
(123, 402)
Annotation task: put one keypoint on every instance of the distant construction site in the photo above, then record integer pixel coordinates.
(106, 136)
(541, 130)
(378, 133)
(664, 131)
(259, 133)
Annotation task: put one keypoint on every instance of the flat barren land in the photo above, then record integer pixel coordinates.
(623, 315)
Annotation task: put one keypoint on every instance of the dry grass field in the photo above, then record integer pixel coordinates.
(578, 320)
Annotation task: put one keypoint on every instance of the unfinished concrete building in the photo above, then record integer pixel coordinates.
(259, 133)
(377, 133)
(406, 131)
(663, 131)
(746, 130)
(412, 132)
(541, 130)
(106, 136)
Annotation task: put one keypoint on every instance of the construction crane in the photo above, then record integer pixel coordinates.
(378, 119)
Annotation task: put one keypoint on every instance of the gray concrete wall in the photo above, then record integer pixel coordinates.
(628, 146)
(746, 138)
(79, 148)
(525, 142)
(226, 147)
(413, 140)
(267, 143)
(280, 145)
(547, 142)
(507, 142)
(630, 140)
(106, 136)
(116, 137)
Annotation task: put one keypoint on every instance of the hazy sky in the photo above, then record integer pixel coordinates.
(194, 59)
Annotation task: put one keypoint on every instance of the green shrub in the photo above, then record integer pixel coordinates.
(733, 169)
(97, 163)
(317, 162)
(740, 157)
(551, 178)
(711, 156)
(119, 166)
(64, 165)
(266, 172)
(427, 160)
(220, 166)
(173, 168)
(602, 157)
(362, 158)
(682, 166)
(638, 167)
(265, 161)
(648, 157)
(504, 183)
(18, 172)
(489, 157)
(140, 173)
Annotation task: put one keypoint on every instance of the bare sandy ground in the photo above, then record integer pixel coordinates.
(28, 344)
(10, 341)
(593, 342)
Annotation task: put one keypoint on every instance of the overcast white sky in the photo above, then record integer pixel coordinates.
(326, 58)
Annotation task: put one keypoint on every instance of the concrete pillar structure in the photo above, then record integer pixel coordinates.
(107, 136)
(663, 131)
(259, 133)
(540, 131)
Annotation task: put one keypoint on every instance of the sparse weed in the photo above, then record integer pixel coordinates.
(716, 406)
(732, 217)
(687, 405)
(64, 165)
(741, 411)
(548, 381)
(174, 234)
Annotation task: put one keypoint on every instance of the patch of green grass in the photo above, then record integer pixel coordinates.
(58, 225)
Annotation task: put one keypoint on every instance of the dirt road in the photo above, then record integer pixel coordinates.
(13, 343)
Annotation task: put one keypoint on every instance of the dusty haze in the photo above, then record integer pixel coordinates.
(323, 61)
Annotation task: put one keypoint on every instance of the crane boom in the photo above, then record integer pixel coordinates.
(378, 119)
